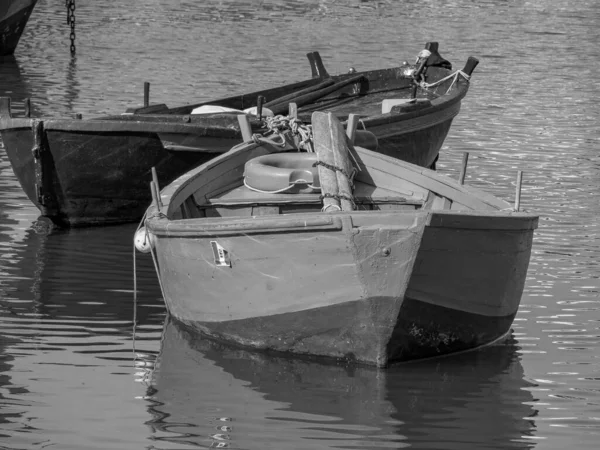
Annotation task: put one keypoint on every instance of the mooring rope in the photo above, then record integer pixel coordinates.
(260, 139)
(454, 76)
(135, 287)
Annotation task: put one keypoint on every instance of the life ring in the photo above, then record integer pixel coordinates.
(283, 173)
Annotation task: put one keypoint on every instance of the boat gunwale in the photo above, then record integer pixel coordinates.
(204, 227)
(170, 196)
(462, 85)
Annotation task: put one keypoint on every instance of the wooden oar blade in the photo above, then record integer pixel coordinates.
(322, 146)
(331, 146)
(312, 97)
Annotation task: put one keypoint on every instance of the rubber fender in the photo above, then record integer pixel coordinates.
(285, 173)
(143, 241)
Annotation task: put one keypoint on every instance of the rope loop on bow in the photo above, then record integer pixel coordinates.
(453, 76)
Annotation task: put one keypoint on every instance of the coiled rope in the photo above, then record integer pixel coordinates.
(281, 126)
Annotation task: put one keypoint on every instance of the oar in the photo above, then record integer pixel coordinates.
(293, 95)
(314, 96)
(335, 167)
(326, 166)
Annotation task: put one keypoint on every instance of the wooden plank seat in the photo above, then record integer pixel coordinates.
(243, 201)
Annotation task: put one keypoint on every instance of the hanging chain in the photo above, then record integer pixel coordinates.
(70, 4)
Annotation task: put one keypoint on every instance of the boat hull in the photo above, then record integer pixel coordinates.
(94, 178)
(99, 171)
(370, 291)
(406, 128)
(14, 15)
(465, 288)
(416, 140)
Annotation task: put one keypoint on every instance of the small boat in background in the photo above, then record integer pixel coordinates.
(95, 172)
(342, 252)
(14, 15)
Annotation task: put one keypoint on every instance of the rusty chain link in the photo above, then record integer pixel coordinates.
(70, 4)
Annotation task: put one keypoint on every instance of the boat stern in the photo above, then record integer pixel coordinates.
(466, 285)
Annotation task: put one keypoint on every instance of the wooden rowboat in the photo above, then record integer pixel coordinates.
(418, 266)
(93, 172)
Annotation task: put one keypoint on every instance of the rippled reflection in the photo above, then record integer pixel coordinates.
(204, 391)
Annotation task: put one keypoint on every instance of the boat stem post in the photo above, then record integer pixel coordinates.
(154, 196)
(293, 114)
(245, 127)
(421, 64)
(463, 169)
(259, 106)
(351, 127)
(43, 169)
(156, 185)
(293, 110)
(470, 65)
(5, 109)
(28, 107)
(146, 93)
(316, 65)
(518, 190)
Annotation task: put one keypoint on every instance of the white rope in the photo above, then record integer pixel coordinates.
(258, 138)
(454, 76)
(279, 191)
(279, 125)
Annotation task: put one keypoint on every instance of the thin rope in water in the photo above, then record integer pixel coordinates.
(162, 290)
(135, 288)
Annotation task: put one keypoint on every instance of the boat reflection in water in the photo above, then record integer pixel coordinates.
(205, 393)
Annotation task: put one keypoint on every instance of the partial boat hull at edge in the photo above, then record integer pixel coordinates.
(14, 15)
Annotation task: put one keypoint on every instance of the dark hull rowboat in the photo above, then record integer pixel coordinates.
(420, 266)
(93, 172)
(14, 15)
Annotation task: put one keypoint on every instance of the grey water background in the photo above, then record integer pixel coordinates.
(75, 374)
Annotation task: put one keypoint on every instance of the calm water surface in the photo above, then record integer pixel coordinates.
(76, 374)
